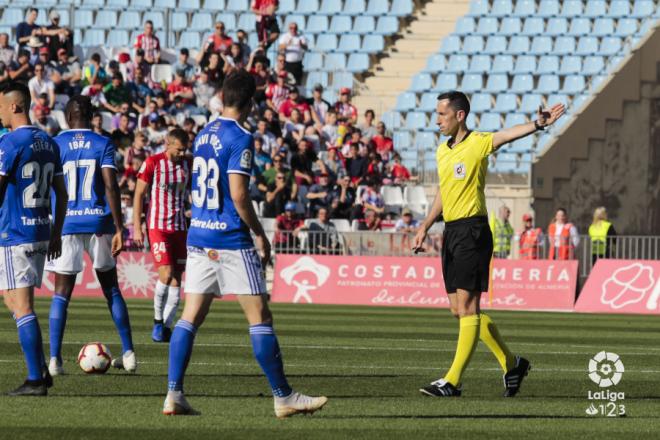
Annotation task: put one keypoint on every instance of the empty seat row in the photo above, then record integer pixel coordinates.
(567, 8)
(385, 24)
(350, 7)
(555, 26)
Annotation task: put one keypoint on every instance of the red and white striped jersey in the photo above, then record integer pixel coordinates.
(169, 183)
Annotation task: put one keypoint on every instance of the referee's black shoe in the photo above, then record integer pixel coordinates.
(441, 388)
(31, 388)
(514, 377)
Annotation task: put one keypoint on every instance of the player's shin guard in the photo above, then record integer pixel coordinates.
(267, 351)
(119, 313)
(491, 337)
(56, 324)
(29, 335)
(181, 346)
(160, 295)
(468, 337)
(171, 306)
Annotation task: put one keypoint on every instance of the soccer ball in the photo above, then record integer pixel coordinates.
(94, 358)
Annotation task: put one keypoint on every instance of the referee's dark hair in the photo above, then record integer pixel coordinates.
(238, 89)
(79, 111)
(457, 101)
(21, 91)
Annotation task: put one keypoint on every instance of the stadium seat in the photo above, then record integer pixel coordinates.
(313, 61)
(472, 83)
(190, 39)
(541, 45)
(358, 62)
(548, 8)
(119, 4)
(578, 101)
(490, 122)
(610, 46)
(479, 7)
(387, 25)
(161, 72)
(165, 4)
(501, 8)
(317, 78)
(593, 65)
(626, 27)
(193, 5)
(603, 27)
(354, 7)
(595, 8)
(564, 46)
(506, 102)
(524, 64)
(401, 140)
(518, 45)
(558, 98)
(84, 18)
(326, 43)
(317, 24)
(349, 43)
(579, 27)
(237, 5)
(481, 102)
(118, 38)
(643, 9)
(522, 84)
(479, 64)
(510, 26)
(619, 9)
(523, 145)
(392, 196)
(340, 24)
(524, 8)
(145, 5)
(93, 37)
(299, 19)
(457, 63)
(472, 44)
(93, 3)
(614, 63)
(330, 7)
(465, 26)
(548, 84)
(307, 7)
(428, 102)
(485, 26)
(106, 19)
(415, 195)
(512, 119)
(574, 84)
(391, 119)
(421, 82)
(557, 26)
(334, 61)
(342, 79)
(373, 44)
(533, 26)
(425, 140)
(445, 82)
(530, 103)
(596, 81)
(570, 65)
(435, 63)
(406, 101)
(247, 21)
(571, 8)
(129, 20)
(401, 8)
(179, 21)
(416, 120)
(364, 24)
(451, 44)
(471, 120)
(286, 7)
(377, 7)
(547, 64)
(497, 82)
(201, 21)
(587, 46)
(157, 18)
(495, 44)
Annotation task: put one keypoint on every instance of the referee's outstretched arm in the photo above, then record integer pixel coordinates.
(545, 118)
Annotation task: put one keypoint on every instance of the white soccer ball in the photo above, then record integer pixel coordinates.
(94, 358)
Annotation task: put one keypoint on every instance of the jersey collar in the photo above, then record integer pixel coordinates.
(235, 122)
(452, 145)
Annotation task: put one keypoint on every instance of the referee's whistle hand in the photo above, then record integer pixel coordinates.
(418, 241)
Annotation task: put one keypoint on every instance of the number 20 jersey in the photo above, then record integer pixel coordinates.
(223, 147)
(28, 159)
(84, 154)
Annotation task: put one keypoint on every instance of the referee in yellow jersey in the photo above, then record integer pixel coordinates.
(467, 246)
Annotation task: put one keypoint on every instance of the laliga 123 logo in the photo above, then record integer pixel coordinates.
(606, 370)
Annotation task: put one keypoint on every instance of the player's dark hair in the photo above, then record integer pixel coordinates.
(180, 135)
(22, 91)
(457, 100)
(79, 111)
(562, 210)
(238, 89)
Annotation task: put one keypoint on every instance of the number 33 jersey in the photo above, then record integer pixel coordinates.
(84, 154)
(28, 159)
(223, 147)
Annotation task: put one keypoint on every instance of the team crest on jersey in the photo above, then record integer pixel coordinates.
(213, 254)
(246, 159)
(459, 171)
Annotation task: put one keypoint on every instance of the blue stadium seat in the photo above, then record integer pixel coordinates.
(479, 64)
(479, 7)
(596, 81)
(445, 82)
(83, 18)
(458, 63)
(518, 45)
(341, 80)
(524, 8)
(286, 7)
(189, 4)
(237, 5)
(502, 64)
(129, 20)
(643, 8)
(401, 8)
(190, 39)
(501, 8)
(548, 8)
(428, 102)
(471, 121)
(505, 163)
(541, 45)
(12, 16)
(547, 64)
(364, 24)
(578, 101)
(473, 44)
(391, 119)
(557, 26)
(558, 98)
(524, 145)
(610, 46)
(485, 26)
(330, 7)
(533, 26)
(425, 141)
(307, 7)
(593, 65)
(118, 38)
(387, 25)
(317, 24)
(525, 64)
(377, 7)
(619, 9)
(93, 37)
(106, 19)
(416, 120)
(490, 122)
(587, 46)
(603, 27)
(340, 24)
(525, 166)
(165, 4)
(93, 3)
(145, 5)
(571, 8)
(548, 84)
(349, 43)
(626, 27)
(314, 78)
(495, 44)
(313, 61)
(511, 26)
(402, 139)
(570, 65)
(358, 62)
(451, 43)
(354, 7)
(326, 43)
(530, 103)
(334, 61)
(512, 119)
(497, 82)
(406, 101)
(247, 21)
(111, 3)
(229, 20)
(481, 102)
(373, 44)
(472, 82)
(435, 63)
(595, 8)
(614, 62)
(506, 102)
(421, 82)
(179, 21)
(522, 84)
(564, 46)
(465, 26)
(580, 27)
(201, 21)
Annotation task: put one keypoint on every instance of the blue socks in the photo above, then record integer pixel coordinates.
(267, 352)
(119, 312)
(181, 345)
(29, 335)
(57, 322)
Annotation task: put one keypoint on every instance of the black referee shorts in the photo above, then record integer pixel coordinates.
(467, 247)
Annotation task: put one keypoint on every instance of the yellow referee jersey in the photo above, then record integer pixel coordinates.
(462, 172)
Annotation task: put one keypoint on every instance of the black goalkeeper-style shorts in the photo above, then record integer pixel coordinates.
(467, 247)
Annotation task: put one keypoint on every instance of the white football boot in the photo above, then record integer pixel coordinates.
(297, 403)
(55, 368)
(128, 362)
(177, 405)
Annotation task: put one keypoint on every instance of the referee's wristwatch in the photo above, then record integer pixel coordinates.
(538, 126)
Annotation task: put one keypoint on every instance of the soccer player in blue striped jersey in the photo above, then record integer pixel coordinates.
(29, 167)
(93, 224)
(222, 257)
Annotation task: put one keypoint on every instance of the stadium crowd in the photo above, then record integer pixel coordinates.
(310, 154)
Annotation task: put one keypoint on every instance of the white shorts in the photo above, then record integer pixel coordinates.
(224, 272)
(22, 265)
(98, 247)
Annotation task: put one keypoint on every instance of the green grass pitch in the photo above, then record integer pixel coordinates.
(370, 362)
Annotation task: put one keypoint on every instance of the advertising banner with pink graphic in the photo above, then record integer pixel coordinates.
(622, 286)
(418, 282)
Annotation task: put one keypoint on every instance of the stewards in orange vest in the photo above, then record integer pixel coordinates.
(563, 237)
(530, 239)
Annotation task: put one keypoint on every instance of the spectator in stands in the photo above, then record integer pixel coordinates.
(123, 136)
(346, 112)
(242, 41)
(179, 88)
(268, 139)
(4, 78)
(41, 84)
(602, 234)
(370, 222)
(272, 122)
(269, 176)
(367, 128)
(127, 213)
(141, 92)
(156, 131)
(129, 177)
(278, 194)
(372, 199)
(149, 43)
(182, 65)
(95, 93)
(356, 165)
(139, 64)
(215, 104)
(323, 235)
(234, 58)
(333, 163)
(204, 92)
(116, 93)
(292, 102)
(94, 72)
(266, 22)
(530, 239)
(262, 160)
(502, 232)
(354, 138)
(280, 66)
(383, 143)
(217, 43)
(58, 37)
(124, 109)
(303, 162)
(375, 167)
(44, 58)
(563, 237)
(293, 45)
(278, 92)
(398, 173)
(330, 130)
(287, 228)
(66, 74)
(294, 128)
(319, 107)
(44, 121)
(407, 223)
(342, 198)
(7, 52)
(27, 29)
(97, 125)
(215, 70)
(21, 71)
(33, 46)
(320, 194)
(137, 150)
(261, 77)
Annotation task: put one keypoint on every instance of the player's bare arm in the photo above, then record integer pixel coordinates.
(432, 217)
(61, 199)
(544, 118)
(112, 196)
(240, 195)
(141, 187)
